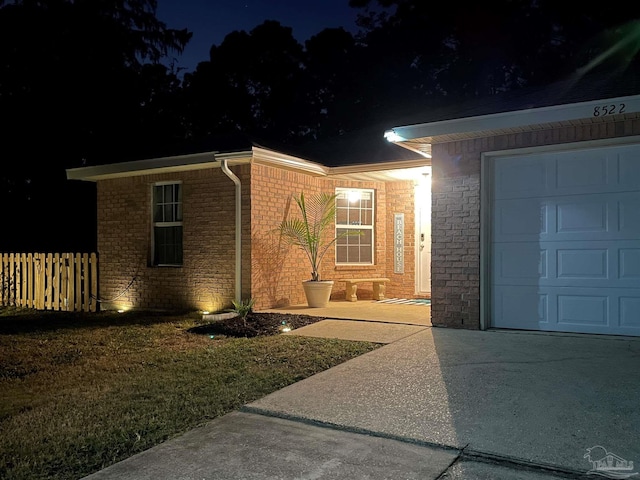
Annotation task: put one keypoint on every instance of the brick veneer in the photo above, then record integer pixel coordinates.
(456, 212)
(278, 270)
(206, 279)
(272, 273)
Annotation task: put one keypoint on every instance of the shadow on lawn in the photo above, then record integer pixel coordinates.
(15, 321)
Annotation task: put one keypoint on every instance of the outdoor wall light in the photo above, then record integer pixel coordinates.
(392, 136)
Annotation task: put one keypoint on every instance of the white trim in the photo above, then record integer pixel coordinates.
(486, 185)
(180, 163)
(155, 224)
(376, 167)
(358, 227)
(512, 119)
(487, 160)
(282, 160)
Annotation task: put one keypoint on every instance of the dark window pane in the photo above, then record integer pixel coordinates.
(168, 245)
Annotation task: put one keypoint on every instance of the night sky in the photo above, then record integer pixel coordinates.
(211, 20)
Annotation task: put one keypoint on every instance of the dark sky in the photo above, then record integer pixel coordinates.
(211, 20)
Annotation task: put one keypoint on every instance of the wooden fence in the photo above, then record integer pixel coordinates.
(49, 281)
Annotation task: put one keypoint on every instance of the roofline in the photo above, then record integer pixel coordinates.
(179, 163)
(511, 119)
(258, 155)
(273, 158)
(377, 167)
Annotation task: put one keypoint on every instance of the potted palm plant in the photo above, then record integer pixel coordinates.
(308, 232)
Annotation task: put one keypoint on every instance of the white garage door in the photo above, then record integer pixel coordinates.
(565, 241)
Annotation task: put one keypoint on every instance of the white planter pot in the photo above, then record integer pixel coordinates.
(318, 293)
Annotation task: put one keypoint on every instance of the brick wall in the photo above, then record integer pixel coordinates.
(456, 212)
(206, 280)
(400, 198)
(279, 270)
(272, 273)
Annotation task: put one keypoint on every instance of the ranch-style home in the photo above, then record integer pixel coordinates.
(168, 237)
(518, 212)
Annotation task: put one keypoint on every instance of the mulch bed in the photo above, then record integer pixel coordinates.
(257, 324)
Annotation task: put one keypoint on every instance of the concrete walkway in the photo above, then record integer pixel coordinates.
(436, 404)
(367, 310)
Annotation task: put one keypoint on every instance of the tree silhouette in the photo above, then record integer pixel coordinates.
(75, 86)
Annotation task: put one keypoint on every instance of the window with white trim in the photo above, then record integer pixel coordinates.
(167, 224)
(354, 211)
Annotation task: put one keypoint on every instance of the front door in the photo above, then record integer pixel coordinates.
(423, 235)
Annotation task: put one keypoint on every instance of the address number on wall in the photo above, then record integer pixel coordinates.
(612, 109)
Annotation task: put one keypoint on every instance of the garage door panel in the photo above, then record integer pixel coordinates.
(521, 220)
(530, 178)
(630, 313)
(521, 264)
(586, 264)
(524, 303)
(628, 210)
(583, 309)
(583, 215)
(593, 171)
(565, 253)
(583, 263)
(612, 216)
(629, 262)
(629, 170)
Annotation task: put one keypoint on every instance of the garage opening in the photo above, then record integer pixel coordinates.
(564, 240)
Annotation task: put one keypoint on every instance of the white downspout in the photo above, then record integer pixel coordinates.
(236, 180)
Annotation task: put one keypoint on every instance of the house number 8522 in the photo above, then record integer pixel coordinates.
(604, 110)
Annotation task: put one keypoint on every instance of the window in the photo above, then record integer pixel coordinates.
(354, 210)
(167, 224)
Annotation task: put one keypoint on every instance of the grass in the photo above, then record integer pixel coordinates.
(80, 392)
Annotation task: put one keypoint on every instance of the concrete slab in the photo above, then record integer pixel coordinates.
(376, 332)
(244, 446)
(540, 398)
(365, 310)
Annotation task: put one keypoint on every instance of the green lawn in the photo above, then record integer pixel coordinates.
(80, 392)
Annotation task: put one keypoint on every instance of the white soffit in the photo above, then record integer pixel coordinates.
(413, 136)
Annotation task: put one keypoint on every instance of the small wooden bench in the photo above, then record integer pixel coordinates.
(378, 287)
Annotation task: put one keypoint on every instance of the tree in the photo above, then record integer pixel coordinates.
(465, 49)
(75, 81)
(252, 83)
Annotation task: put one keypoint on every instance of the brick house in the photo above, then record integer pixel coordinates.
(531, 220)
(167, 231)
(536, 209)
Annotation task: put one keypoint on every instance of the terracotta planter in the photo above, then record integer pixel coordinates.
(318, 293)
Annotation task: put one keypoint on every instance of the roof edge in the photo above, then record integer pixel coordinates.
(264, 156)
(596, 109)
(179, 163)
(377, 167)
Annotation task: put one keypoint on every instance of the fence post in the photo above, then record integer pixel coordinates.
(56, 282)
(78, 263)
(64, 283)
(94, 282)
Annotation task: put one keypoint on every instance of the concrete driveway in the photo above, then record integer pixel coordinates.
(530, 398)
(437, 404)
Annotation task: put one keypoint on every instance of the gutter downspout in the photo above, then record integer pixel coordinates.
(236, 180)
